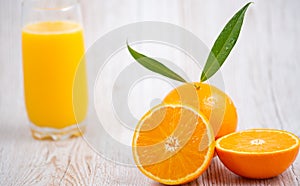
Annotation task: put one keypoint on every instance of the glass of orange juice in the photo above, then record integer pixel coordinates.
(52, 52)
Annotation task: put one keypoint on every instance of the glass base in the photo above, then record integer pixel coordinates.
(43, 133)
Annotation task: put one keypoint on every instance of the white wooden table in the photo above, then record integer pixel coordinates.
(261, 75)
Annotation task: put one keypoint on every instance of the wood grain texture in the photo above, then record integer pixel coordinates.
(261, 75)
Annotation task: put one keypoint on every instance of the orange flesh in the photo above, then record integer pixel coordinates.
(250, 142)
(173, 143)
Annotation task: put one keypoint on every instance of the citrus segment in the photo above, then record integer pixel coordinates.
(258, 153)
(173, 144)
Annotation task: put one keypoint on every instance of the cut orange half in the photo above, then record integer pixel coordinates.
(173, 144)
(258, 153)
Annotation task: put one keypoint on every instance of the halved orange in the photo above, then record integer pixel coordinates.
(258, 153)
(173, 144)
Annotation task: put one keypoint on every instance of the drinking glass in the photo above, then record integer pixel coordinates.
(52, 52)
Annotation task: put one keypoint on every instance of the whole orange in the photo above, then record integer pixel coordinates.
(211, 101)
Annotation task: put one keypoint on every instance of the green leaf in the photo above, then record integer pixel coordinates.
(224, 44)
(154, 65)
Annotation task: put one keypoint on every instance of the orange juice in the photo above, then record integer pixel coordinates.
(52, 53)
